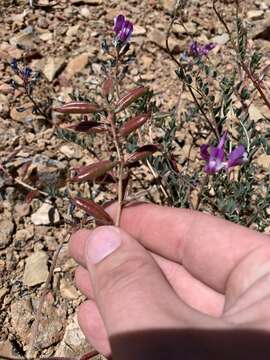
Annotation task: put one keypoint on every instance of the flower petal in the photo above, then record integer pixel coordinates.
(237, 157)
(223, 140)
(204, 152)
(118, 23)
(126, 31)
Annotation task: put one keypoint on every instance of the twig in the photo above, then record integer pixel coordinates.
(29, 187)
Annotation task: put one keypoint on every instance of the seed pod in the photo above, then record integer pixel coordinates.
(77, 107)
(129, 98)
(89, 126)
(92, 171)
(142, 153)
(93, 209)
(107, 87)
(133, 124)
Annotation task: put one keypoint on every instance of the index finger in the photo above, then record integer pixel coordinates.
(207, 246)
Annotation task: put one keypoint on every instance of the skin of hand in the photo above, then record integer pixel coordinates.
(173, 271)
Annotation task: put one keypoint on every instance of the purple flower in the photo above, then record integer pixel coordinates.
(197, 50)
(23, 72)
(14, 65)
(27, 72)
(215, 159)
(123, 30)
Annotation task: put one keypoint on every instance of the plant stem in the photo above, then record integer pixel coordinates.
(178, 63)
(255, 82)
(120, 168)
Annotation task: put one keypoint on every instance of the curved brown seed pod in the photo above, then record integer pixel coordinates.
(89, 126)
(129, 98)
(133, 124)
(142, 153)
(77, 107)
(93, 209)
(107, 87)
(92, 171)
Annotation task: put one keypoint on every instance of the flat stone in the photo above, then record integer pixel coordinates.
(74, 342)
(254, 113)
(21, 319)
(159, 38)
(76, 65)
(6, 230)
(24, 38)
(68, 291)
(46, 36)
(255, 14)
(264, 161)
(89, 2)
(221, 39)
(262, 29)
(21, 210)
(45, 215)
(36, 269)
(73, 30)
(24, 234)
(85, 12)
(22, 116)
(53, 66)
(138, 30)
(168, 5)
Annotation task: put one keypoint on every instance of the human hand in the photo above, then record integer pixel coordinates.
(203, 281)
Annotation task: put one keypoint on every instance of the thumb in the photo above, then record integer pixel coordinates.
(130, 290)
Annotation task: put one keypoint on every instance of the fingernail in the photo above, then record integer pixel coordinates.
(102, 242)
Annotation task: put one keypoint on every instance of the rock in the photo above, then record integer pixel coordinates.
(68, 291)
(73, 30)
(71, 151)
(25, 38)
(6, 230)
(74, 342)
(6, 88)
(138, 30)
(3, 292)
(255, 14)
(254, 113)
(24, 234)
(22, 116)
(261, 30)
(146, 61)
(21, 319)
(76, 65)
(46, 36)
(53, 66)
(7, 351)
(221, 39)
(264, 161)
(45, 215)
(36, 269)
(42, 22)
(52, 323)
(4, 105)
(263, 6)
(85, 12)
(21, 211)
(50, 331)
(168, 5)
(159, 38)
(89, 2)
